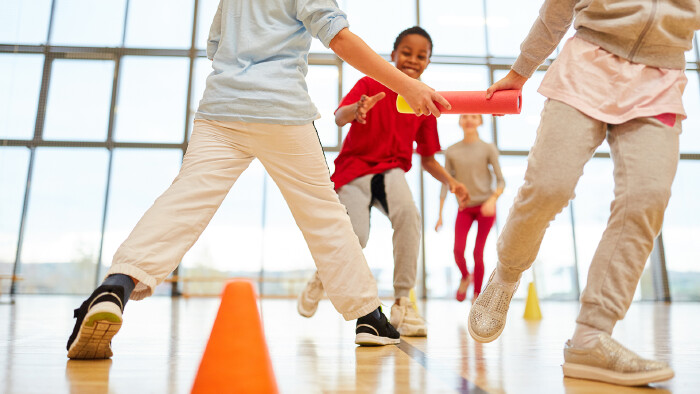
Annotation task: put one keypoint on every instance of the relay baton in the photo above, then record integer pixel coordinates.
(474, 102)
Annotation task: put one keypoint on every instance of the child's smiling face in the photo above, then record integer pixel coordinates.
(412, 55)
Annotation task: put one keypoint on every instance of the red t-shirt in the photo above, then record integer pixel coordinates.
(386, 140)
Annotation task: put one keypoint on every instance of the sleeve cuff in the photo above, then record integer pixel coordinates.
(524, 67)
(331, 29)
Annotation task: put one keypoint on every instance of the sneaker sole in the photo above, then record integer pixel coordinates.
(579, 371)
(488, 339)
(365, 339)
(96, 332)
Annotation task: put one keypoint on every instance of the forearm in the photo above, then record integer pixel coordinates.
(442, 204)
(345, 114)
(358, 54)
(436, 170)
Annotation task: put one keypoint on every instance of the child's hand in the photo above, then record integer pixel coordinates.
(439, 224)
(488, 208)
(512, 80)
(420, 98)
(460, 191)
(365, 104)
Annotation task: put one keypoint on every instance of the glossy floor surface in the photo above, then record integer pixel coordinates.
(160, 344)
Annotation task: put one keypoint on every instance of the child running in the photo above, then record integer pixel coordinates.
(468, 161)
(370, 171)
(621, 78)
(256, 105)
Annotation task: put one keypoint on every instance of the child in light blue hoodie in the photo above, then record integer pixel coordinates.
(256, 105)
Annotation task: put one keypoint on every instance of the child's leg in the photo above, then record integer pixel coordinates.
(485, 223)
(566, 140)
(215, 157)
(463, 223)
(645, 154)
(405, 221)
(356, 196)
(293, 157)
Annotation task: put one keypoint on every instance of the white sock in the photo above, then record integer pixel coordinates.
(585, 336)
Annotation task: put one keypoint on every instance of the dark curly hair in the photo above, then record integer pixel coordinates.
(414, 30)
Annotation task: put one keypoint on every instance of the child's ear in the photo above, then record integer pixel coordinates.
(393, 56)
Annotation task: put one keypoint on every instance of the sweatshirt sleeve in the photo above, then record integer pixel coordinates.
(449, 169)
(322, 19)
(551, 25)
(493, 160)
(214, 34)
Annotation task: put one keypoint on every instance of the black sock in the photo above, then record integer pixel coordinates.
(122, 280)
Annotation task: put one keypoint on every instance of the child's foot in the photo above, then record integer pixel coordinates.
(375, 330)
(608, 361)
(99, 318)
(463, 287)
(406, 320)
(487, 316)
(310, 297)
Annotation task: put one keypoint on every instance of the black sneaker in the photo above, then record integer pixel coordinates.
(99, 318)
(371, 331)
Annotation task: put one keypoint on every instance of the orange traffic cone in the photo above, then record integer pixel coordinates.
(236, 357)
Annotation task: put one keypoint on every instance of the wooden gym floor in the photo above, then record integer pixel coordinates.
(160, 344)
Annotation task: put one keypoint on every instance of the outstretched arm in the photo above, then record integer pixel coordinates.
(358, 110)
(419, 96)
(438, 172)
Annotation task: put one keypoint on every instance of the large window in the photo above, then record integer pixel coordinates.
(97, 101)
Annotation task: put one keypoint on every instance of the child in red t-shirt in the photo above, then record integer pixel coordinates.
(370, 171)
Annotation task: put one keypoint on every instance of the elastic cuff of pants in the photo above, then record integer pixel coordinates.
(508, 274)
(366, 309)
(398, 293)
(146, 285)
(597, 317)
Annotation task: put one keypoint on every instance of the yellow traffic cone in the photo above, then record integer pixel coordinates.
(412, 297)
(532, 305)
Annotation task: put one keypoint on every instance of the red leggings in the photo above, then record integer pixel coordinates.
(464, 221)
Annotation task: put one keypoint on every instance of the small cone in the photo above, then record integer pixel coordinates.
(532, 305)
(412, 297)
(236, 357)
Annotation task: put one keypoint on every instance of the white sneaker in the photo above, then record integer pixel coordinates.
(310, 297)
(406, 320)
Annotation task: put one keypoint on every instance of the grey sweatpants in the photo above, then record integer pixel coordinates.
(401, 210)
(645, 157)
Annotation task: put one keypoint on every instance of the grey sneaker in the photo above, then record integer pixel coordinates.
(487, 316)
(310, 297)
(406, 320)
(608, 361)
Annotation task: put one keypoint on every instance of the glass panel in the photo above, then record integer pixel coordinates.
(152, 99)
(24, 21)
(368, 19)
(202, 69)
(456, 26)
(517, 132)
(690, 137)
(13, 181)
(80, 95)
(172, 28)
(64, 219)
(691, 56)
(680, 233)
(139, 176)
(205, 15)
(458, 77)
(322, 82)
(233, 242)
(508, 23)
(88, 23)
(20, 77)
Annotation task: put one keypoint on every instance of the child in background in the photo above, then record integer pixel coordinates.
(370, 171)
(620, 78)
(468, 161)
(255, 106)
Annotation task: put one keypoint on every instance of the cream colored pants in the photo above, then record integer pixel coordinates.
(645, 156)
(216, 156)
